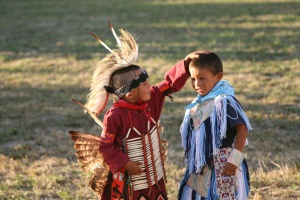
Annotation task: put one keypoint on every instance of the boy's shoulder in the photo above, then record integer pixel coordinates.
(225, 96)
(114, 111)
(230, 99)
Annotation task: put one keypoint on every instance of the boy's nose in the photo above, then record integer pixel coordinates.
(197, 84)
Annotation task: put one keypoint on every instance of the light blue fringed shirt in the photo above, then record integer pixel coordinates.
(220, 95)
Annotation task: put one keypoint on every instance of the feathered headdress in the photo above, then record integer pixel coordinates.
(126, 54)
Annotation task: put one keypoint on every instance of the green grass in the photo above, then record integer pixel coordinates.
(46, 58)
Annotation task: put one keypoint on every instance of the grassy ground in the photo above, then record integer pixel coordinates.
(46, 56)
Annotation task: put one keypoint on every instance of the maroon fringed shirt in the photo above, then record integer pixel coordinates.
(118, 120)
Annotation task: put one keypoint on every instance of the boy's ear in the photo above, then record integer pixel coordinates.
(129, 95)
(220, 75)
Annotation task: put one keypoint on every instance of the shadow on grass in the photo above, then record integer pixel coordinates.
(44, 114)
(35, 120)
(61, 29)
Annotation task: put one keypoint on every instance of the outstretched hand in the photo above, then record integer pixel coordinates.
(133, 167)
(189, 58)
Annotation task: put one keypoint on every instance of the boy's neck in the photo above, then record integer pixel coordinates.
(131, 101)
(134, 106)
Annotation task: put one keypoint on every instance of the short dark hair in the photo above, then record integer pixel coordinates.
(117, 80)
(208, 60)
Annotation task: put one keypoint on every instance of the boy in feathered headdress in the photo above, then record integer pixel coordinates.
(214, 132)
(130, 141)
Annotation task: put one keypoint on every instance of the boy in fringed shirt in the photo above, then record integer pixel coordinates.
(214, 132)
(129, 142)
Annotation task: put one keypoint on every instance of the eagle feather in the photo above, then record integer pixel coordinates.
(88, 155)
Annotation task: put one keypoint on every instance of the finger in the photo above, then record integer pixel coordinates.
(194, 56)
(139, 163)
(141, 171)
(230, 173)
(225, 169)
(226, 172)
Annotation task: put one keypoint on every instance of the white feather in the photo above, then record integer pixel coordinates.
(106, 47)
(125, 55)
(115, 35)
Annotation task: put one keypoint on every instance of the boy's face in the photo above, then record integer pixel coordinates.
(142, 92)
(203, 80)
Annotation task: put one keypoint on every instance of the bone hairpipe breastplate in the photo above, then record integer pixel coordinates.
(146, 149)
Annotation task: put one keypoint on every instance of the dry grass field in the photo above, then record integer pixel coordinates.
(47, 56)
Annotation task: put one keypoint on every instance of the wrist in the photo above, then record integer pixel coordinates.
(127, 164)
(236, 157)
(186, 64)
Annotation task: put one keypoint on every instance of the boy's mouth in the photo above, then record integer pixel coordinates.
(199, 90)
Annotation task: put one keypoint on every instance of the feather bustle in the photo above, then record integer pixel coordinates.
(97, 181)
(97, 120)
(89, 152)
(82, 140)
(164, 151)
(84, 135)
(90, 147)
(88, 158)
(94, 164)
(88, 155)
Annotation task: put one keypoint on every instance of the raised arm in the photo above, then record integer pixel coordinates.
(111, 141)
